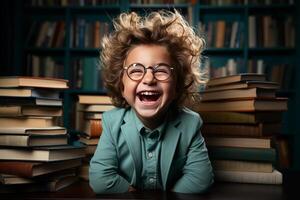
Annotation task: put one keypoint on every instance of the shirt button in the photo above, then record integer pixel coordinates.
(151, 180)
(150, 154)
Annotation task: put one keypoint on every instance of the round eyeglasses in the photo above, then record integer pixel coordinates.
(137, 71)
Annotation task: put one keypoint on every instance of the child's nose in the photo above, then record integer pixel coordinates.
(149, 77)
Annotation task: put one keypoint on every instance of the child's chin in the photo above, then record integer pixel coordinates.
(147, 114)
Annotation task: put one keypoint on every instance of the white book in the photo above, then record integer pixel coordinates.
(274, 177)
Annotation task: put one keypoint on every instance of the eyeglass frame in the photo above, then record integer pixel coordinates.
(149, 67)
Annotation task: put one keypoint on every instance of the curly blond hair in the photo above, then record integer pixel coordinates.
(164, 28)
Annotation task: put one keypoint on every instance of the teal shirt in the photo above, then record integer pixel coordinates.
(150, 143)
(120, 160)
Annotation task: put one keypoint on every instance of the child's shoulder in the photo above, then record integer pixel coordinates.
(188, 113)
(114, 113)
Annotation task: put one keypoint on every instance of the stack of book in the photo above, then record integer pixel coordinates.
(89, 124)
(34, 150)
(242, 121)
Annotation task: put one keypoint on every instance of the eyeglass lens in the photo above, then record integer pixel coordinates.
(137, 71)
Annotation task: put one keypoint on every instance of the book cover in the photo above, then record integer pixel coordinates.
(45, 154)
(241, 117)
(27, 81)
(274, 177)
(33, 169)
(94, 99)
(32, 140)
(235, 78)
(248, 93)
(246, 105)
(260, 142)
(245, 166)
(242, 153)
(19, 111)
(53, 130)
(246, 130)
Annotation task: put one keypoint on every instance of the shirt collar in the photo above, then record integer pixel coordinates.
(144, 131)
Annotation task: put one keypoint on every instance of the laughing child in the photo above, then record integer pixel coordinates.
(151, 141)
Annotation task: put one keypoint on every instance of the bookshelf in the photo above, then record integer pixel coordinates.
(67, 58)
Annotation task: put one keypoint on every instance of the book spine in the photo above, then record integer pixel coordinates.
(246, 154)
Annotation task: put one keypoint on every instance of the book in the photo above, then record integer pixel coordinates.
(92, 127)
(84, 172)
(88, 141)
(95, 108)
(242, 153)
(29, 92)
(235, 78)
(37, 122)
(7, 179)
(53, 182)
(248, 93)
(236, 165)
(246, 105)
(53, 130)
(32, 140)
(260, 142)
(27, 81)
(94, 99)
(274, 177)
(250, 130)
(46, 154)
(241, 117)
(38, 186)
(244, 85)
(33, 169)
(92, 115)
(19, 110)
(30, 101)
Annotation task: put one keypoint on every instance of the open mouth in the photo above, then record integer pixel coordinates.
(148, 96)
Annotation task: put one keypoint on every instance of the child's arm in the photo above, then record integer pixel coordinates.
(103, 174)
(197, 172)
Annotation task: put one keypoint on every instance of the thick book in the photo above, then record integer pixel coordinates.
(48, 185)
(32, 140)
(53, 130)
(242, 153)
(94, 99)
(38, 122)
(244, 85)
(241, 117)
(274, 177)
(33, 169)
(29, 92)
(248, 105)
(248, 93)
(235, 78)
(45, 154)
(245, 130)
(237, 165)
(30, 101)
(19, 110)
(260, 142)
(91, 127)
(42, 82)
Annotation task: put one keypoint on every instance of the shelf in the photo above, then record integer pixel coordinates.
(231, 51)
(43, 50)
(79, 91)
(85, 51)
(158, 6)
(271, 51)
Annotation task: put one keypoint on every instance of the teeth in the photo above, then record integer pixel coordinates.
(149, 93)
